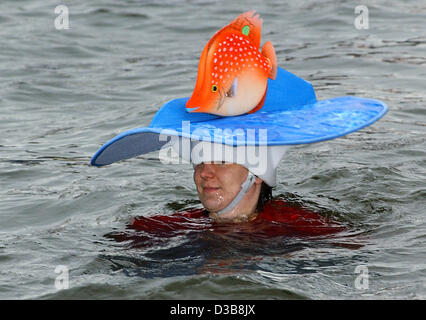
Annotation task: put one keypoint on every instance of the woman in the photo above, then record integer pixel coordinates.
(256, 214)
(235, 191)
(235, 199)
(218, 185)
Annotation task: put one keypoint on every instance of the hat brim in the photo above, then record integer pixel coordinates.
(290, 116)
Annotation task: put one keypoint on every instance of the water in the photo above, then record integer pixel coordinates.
(63, 93)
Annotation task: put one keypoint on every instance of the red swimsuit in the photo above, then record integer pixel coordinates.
(277, 219)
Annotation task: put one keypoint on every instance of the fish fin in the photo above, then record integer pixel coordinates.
(249, 24)
(269, 52)
(260, 104)
(232, 91)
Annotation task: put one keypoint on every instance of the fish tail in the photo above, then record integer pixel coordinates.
(269, 52)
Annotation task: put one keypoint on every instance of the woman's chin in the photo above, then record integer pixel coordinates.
(213, 203)
(213, 208)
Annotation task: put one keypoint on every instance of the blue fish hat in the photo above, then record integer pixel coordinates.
(291, 115)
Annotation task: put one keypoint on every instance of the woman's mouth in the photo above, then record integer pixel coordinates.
(210, 189)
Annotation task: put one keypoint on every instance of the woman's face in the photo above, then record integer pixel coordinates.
(218, 183)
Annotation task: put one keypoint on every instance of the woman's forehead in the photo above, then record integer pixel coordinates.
(219, 163)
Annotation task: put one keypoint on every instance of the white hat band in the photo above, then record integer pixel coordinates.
(262, 161)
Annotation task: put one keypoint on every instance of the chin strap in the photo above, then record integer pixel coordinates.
(244, 188)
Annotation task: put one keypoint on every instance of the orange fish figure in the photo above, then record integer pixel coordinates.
(232, 73)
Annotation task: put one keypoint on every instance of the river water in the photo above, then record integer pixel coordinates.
(65, 92)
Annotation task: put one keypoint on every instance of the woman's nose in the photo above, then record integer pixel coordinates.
(207, 170)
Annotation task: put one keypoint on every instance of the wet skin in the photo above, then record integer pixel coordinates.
(217, 185)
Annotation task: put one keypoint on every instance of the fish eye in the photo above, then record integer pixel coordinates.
(214, 88)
